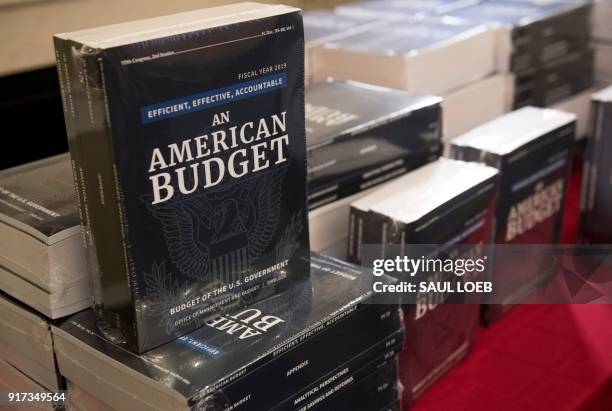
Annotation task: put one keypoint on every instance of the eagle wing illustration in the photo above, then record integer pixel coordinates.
(261, 202)
(184, 224)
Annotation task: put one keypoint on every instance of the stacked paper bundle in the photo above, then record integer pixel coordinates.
(43, 274)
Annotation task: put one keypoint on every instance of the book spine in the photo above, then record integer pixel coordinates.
(292, 366)
(357, 224)
(101, 195)
(589, 166)
(368, 388)
(356, 372)
(379, 232)
(314, 383)
(68, 82)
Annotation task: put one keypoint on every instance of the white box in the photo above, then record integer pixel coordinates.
(426, 57)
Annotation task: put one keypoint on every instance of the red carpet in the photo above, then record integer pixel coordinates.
(544, 357)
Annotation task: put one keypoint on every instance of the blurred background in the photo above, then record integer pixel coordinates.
(28, 80)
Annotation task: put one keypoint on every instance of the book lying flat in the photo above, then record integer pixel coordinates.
(54, 305)
(14, 381)
(374, 385)
(324, 25)
(393, 8)
(556, 80)
(531, 32)
(252, 355)
(351, 126)
(411, 54)
(26, 343)
(40, 234)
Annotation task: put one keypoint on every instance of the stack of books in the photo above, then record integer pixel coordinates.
(324, 25)
(410, 8)
(14, 383)
(544, 44)
(450, 204)
(193, 185)
(43, 272)
(42, 261)
(595, 224)
(411, 54)
(415, 32)
(531, 147)
(26, 344)
(360, 135)
(602, 41)
(302, 349)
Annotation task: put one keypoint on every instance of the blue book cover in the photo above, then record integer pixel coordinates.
(188, 138)
(258, 356)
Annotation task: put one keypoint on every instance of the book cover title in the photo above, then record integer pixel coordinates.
(228, 152)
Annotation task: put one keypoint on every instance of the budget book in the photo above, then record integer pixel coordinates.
(186, 134)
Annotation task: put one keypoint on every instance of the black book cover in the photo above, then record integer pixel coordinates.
(596, 201)
(189, 133)
(38, 198)
(264, 352)
(352, 126)
(532, 149)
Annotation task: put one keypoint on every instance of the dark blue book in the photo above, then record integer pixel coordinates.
(187, 134)
(448, 205)
(275, 352)
(596, 219)
(352, 126)
(532, 149)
